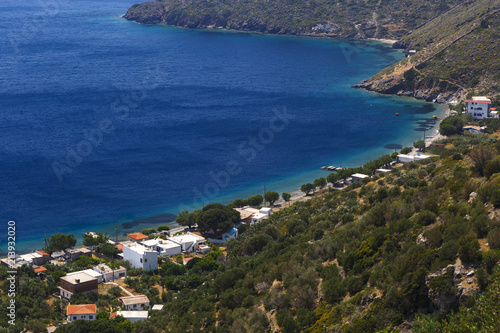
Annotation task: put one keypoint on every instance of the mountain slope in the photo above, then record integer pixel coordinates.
(340, 18)
(456, 52)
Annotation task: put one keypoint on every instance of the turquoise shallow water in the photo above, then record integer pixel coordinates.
(105, 120)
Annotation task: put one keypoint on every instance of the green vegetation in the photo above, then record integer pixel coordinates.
(286, 196)
(349, 19)
(58, 242)
(456, 52)
(90, 240)
(378, 255)
(271, 197)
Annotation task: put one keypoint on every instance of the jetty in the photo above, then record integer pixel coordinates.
(330, 168)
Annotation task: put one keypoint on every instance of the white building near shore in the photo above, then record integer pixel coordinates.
(478, 107)
(140, 256)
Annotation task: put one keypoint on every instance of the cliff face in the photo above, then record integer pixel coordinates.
(450, 55)
(346, 19)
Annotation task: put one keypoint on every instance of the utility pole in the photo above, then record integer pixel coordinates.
(116, 242)
(264, 194)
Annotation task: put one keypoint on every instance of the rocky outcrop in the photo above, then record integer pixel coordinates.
(424, 90)
(450, 286)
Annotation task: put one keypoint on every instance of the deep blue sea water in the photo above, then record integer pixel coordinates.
(105, 120)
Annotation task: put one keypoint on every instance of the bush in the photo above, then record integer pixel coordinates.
(406, 150)
(449, 250)
(451, 125)
(469, 252)
(494, 239)
(425, 217)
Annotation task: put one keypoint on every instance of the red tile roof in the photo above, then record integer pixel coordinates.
(137, 236)
(119, 247)
(472, 101)
(111, 316)
(493, 109)
(82, 309)
(40, 269)
(43, 253)
(186, 260)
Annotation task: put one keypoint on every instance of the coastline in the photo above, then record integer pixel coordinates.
(290, 185)
(152, 220)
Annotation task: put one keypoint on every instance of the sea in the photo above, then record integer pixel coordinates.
(112, 126)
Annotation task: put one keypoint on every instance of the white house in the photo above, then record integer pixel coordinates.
(230, 234)
(402, 158)
(81, 312)
(132, 316)
(357, 177)
(381, 170)
(478, 107)
(266, 210)
(135, 303)
(140, 256)
(108, 274)
(188, 241)
(163, 247)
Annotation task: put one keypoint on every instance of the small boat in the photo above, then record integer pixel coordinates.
(332, 168)
(397, 114)
(324, 167)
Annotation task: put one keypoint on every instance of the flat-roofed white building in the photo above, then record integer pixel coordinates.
(132, 316)
(188, 241)
(478, 107)
(140, 256)
(163, 247)
(90, 273)
(357, 177)
(108, 274)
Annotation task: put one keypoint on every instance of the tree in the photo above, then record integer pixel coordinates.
(255, 200)
(107, 249)
(271, 196)
(406, 150)
(217, 217)
(187, 219)
(148, 231)
(332, 178)
(481, 155)
(494, 238)
(306, 188)
(95, 239)
(102, 315)
(163, 227)
(451, 125)
(286, 196)
(420, 145)
(58, 242)
(320, 182)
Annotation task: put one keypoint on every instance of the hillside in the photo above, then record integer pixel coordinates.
(398, 251)
(339, 18)
(457, 52)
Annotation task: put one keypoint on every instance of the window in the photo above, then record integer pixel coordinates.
(74, 317)
(145, 259)
(91, 317)
(141, 260)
